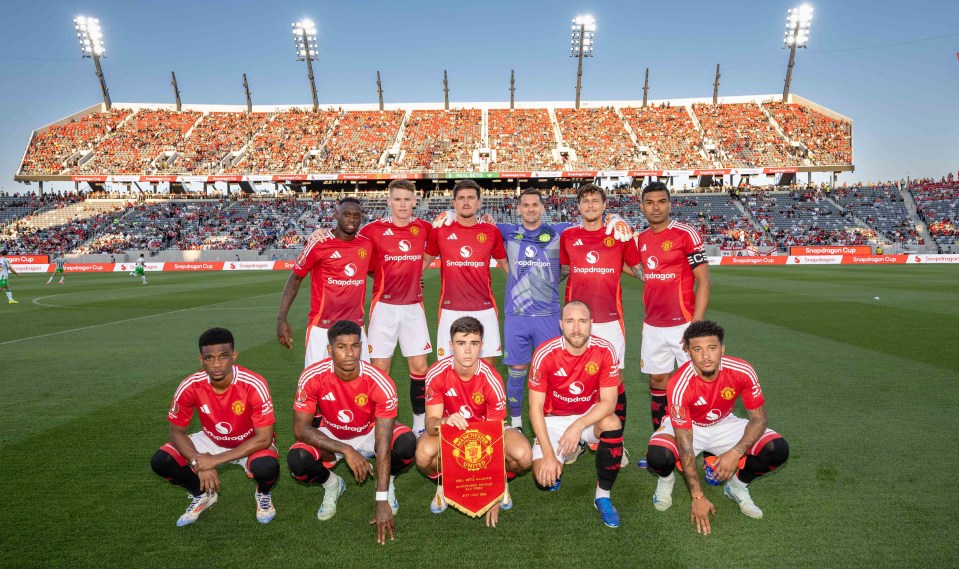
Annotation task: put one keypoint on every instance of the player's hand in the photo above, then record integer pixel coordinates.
(209, 480)
(487, 218)
(360, 466)
(444, 218)
(205, 461)
(569, 441)
(383, 518)
(700, 515)
(618, 228)
(492, 516)
(726, 465)
(456, 420)
(549, 471)
(284, 333)
(320, 235)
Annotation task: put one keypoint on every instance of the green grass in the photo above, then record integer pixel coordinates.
(864, 390)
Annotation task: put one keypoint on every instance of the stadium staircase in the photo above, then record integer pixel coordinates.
(790, 143)
(922, 229)
(649, 158)
(745, 213)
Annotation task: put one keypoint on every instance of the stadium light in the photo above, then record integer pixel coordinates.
(91, 45)
(798, 23)
(581, 45)
(304, 39)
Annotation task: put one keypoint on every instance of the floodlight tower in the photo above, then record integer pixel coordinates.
(798, 21)
(583, 30)
(91, 45)
(304, 38)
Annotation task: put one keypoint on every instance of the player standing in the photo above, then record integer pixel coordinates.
(572, 397)
(236, 415)
(462, 389)
(358, 405)
(702, 395)
(337, 269)
(59, 262)
(465, 248)
(5, 269)
(675, 291)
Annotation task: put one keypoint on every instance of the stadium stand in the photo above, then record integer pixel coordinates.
(936, 207)
(285, 141)
(213, 139)
(137, 144)
(744, 133)
(670, 134)
(441, 141)
(523, 140)
(599, 139)
(358, 141)
(49, 150)
(828, 140)
(881, 208)
(805, 218)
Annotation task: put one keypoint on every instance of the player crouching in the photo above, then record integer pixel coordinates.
(358, 405)
(461, 389)
(573, 388)
(701, 395)
(236, 413)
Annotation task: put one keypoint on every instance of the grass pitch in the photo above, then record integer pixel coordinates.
(865, 391)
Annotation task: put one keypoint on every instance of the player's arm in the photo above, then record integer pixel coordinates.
(728, 461)
(383, 515)
(701, 506)
(180, 439)
(10, 268)
(503, 264)
(283, 331)
(262, 438)
(606, 406)
(703, 284)
(305, 433)
(550, 468)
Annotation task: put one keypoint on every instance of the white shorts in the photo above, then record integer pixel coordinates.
(363, 444)
(403, 323)
(316, 343)
(717, 438)
(203, 443)
(662, 350)
(492, 344)
(555, 427)
(612, 332)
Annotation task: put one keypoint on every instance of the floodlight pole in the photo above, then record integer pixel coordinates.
(309, 69)
(512, 89)
(103, 83)
(646, 88)
(379, 88)
(579, 69)
(176, 92)
(249, 101)
(716, 86)
(446, 91)
(792, 63)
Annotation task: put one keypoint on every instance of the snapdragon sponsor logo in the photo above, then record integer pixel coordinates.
(345, 282)
(593, 270)
(582, 399)
(417, 257)
(219, 437)
(660, 276)
(473, 264)
(532, 263)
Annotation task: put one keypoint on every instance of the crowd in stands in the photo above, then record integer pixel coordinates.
(49, 150)
(670, 134)
(599, 139)
(523, 140)
(358, 141)
(743, 132)
(137, 143)
(881, 207)
(441, 141)
(216, 135)
(828, 140)
(936, 206)
(23, 238)
(285, 141)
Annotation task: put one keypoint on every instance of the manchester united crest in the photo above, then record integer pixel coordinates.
(728, 393)
(609, 241)
(481, 238)
(238, 407)
(473, 450)
(361, 253)
(414, 230)
(361, 399)
(591, 368)
(440, 352)
(478, 398)
(667, 245)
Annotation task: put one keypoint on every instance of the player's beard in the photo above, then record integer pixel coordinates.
(577, 341)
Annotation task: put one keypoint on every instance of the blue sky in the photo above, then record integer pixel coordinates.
(903, 98)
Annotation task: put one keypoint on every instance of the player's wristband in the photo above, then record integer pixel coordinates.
(703, 497)
(382, 496)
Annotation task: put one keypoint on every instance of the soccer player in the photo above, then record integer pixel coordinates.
(594, 260)
(358, 405)
(462, 389)
(396, 314)
(60, 263)
(236, 416)
(572, 397)
(465, 248)
(337, 269)
(5, 269)
(140, 269)
(675, 291)
(702, 394)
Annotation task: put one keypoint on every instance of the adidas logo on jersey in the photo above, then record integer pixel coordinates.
(700, 401)
(561, 373)
(388, 232)
(643, 250)
(451, 392)
(329, 397)
(578, 243)
(205, 409)
(452, 237)
(336, 255)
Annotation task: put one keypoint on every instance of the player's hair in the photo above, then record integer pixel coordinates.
(349, 200)
(401, 185)
(3, 251)
(343, 328)
(589, 189)
(656, 187)
(703, 329)
(532, 192)
(466, 325)
(467, 184)
(576, 303)
(215, 337)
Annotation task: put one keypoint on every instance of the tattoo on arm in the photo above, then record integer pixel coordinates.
(758, 421)
(383, 432)
(684, 440)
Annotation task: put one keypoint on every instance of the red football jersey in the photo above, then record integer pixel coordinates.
(480, 398)
(572, 383)
(464, 254)
(595, 262)
(337, 272)
(349, 408)
(667, 273)
(695, 401)
(227, 418)
(397, 263)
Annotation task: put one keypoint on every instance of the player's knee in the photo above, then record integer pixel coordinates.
(661, 460)
(265, 469)
(658, 380)
(404, 447)
(610, 423)
(522, 456)
(774, 453)
(299, 461)
(164, 464)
